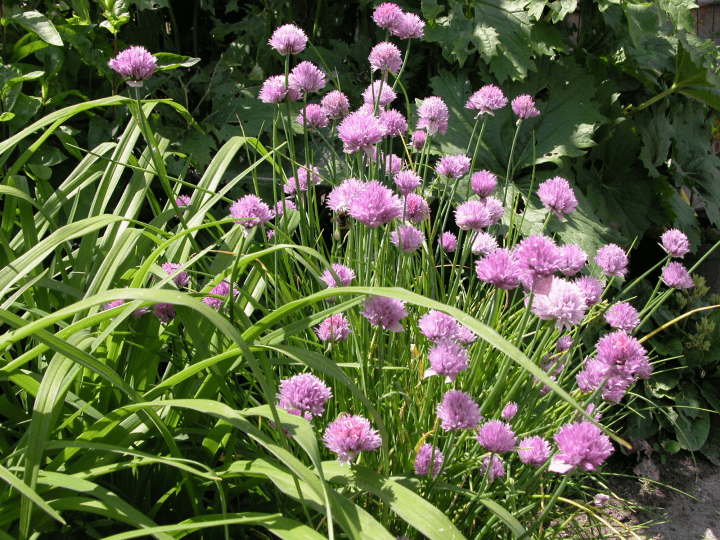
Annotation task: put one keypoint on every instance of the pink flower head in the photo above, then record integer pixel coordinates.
(341, 196)
(418, 139)
(534, 451)
(115, 303)
(385, 57)
(409, 26)
(288, 39)
(458, 411)
(476, 215)
(250, 211)
(379, 92)
(181, 279)
(438, 326)
(612, 260)
(453, 166)
(391, 163)
(557, 196)
(483, 244)
(279, 211)
(306, 77)
(509, 411)
(675, 243)
(345, 276)
(385, 312)
(304, 393)
(499, 268)
(623, 317)
(335, 328)
(524, 106)
(448, 242)
(312, 116)
(407, 182)
(221, 289)
(135, 65)
(483, 183)
(387, 15)
(497, 468)
(538, 258)
(676, 276)
(597, 373)
(433, 115)
(564, 304)
(407, 238)
(305, 177)
(428, 457)
(623, 353)
(564, 343)
(447, 359)
(486, 100)
(581, 445)
(349, 435)
(335, 104)
(572, 259)
(375, 205)
(274, 90)
(496, 437)
(416, 208)
(164, 312)
(182, 200)
(394, 122)
(360, 131)
(591, 288)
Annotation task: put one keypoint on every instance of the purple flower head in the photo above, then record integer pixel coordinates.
(221, 289)
(392, 163)
(407, 182)
(486, 100)
(581, 445)
(409, 26)
(306, 77)
(164, 312)
(250, 211)
(572, 259)
(524, 106)
(345, 276)
(483, 183)
(379, 92)
(496, 437)
(182, 200)
(612, 260)
(465, 336)
(407, 238)
(564, 304)
(476, 215)
(388, 15)
(591, 288)
(623, 353)
(304, 392)
(497, 469)
(274, 90)
(499, 268)
(447, 359)
(438, 326)
(676, 276)
(483, 244)
(448, 242)
(349, 435)
(557, 196)
(416, 208)
(394, 122)
(418, 139)
(675, 243)
(385, 57)
(453, 166)
(564, 343)
(288, 39)
(360, 131)
(458, 411)
(115, 303)
(135, 65)
(433, 115)
(181, 279)
(375, 205)
(315, 116)
(534, 451)
(509, 411)
(538, 258)
(428, 456)
(305, 177)
(289, 205)
(385, 312)
(341, 196)
(623, 317)
(335, 328)
(335, 104)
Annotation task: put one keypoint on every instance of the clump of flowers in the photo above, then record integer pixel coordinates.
(305, 177)
(564, 303)
(499, 268)
(407, 238)
(458, 411)
(428, 456)
(612, 260)
(448, 242)
(274, 90)
(623, 317)
(453, 166)
(483, 183)
(582, 445)
(306, 77)
(181, 279)
(288, 39)
(483, 244)
(433, 115)
(375, 205)
(250, 211)
(557, 196)
(379, 92)
(385, 57)
(524, 107)
(509, 411)
(385, 312)
(360, 131)
(407, 182)
(675, 243)
(335, 104)
(496, 437)
(676, 276)
(335, 328)
(303, 395)
(135, 65)
(416, 208)
(349, 435)
(534, 451)
(221, 289)
(538, 258)
(447, 359)
(497, 468)
(591, 289)
(345, 276)
(572, 259)
(487, 100)
(394, 122)
(312, 116)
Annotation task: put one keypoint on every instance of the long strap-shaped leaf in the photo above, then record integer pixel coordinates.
(29, 493)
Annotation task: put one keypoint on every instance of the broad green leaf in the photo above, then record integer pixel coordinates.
(692, 433)
(167, 61)
(36, 22)
(6, 116)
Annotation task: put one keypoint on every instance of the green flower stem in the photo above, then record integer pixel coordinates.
(475, 153)
(509, 171)
(653, 99)
(540, 520)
